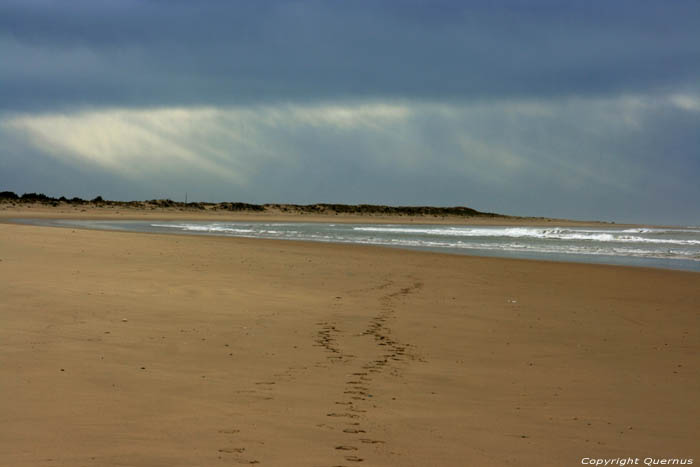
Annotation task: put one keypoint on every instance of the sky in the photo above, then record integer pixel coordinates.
(575, 109)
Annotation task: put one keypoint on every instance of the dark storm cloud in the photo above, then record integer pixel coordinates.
(156, 53)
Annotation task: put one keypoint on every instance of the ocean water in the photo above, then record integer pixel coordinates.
(673, 248)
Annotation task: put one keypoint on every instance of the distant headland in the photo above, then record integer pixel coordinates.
(317, 208)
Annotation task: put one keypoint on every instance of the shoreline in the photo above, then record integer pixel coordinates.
(280, 243)
(48, 213)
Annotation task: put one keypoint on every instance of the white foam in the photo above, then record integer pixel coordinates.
(204, 228)
(535, 233)
(638, 242)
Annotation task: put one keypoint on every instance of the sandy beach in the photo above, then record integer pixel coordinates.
(126, 349)
(92, 211)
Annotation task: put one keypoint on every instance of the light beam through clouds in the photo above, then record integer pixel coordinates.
(520, 147)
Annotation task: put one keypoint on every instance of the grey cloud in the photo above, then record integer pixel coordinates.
(226, 53)
(622, 159)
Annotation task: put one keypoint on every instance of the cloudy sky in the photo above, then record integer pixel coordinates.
(579, 109)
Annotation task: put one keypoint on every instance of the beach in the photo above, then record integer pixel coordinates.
(173, 350)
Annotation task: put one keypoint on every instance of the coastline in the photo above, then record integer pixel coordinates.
(43, 214)
(91, 211)
(151, 349)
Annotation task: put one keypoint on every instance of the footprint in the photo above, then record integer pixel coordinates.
(353, 459)
(371, 441)
(334, 414)
(232, 450)
(353, 430)
(346, 448)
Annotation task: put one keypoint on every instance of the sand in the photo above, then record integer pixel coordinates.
(153, 350)
(9, 210)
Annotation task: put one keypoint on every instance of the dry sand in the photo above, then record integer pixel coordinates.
(126, 349)
(92, 211)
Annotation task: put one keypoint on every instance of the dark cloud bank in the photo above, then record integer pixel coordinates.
(165, 53)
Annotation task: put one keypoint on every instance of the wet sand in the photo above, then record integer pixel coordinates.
(155, 350)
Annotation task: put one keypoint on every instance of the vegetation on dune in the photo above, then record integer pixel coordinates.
(318, 208)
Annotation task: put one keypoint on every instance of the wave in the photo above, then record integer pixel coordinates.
(213, 228)
(558, 241)
(550, 249)
(620, 236)
(662, 231)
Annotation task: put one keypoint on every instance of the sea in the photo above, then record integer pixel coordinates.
(670, 248)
